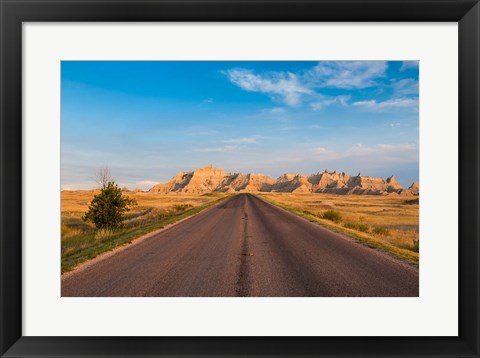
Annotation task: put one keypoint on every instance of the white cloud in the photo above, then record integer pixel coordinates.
(343, 100)
(208, 100)
(293, 88)
(285, 85)
(241, 140)
(406, 86)
(224, 149)
(408, 103)
(346, 74)
(316, 106)
(146, 183)
(409, 64)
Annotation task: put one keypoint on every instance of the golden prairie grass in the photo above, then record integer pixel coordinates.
(74, 204)
(387, 222)
(78, 201)
(80, 241)
(384, 222)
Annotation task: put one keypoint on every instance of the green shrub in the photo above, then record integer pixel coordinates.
(381, 230)
(416, 246)
(332, 215)
(107, 209)
(357, 226)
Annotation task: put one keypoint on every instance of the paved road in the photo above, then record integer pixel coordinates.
(245, 247)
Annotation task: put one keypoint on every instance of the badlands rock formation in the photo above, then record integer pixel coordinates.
(414, 188)
(209, 179)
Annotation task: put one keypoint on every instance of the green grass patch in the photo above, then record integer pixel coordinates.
(361, 237)
(357, 226)
(79, 248)
(332, 215)
(416, 246)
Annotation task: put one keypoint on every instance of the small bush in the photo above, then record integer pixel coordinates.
(416, 246)
(357, 226)
(332, 215)
(381, 230)
(412, 201)
(107, 209)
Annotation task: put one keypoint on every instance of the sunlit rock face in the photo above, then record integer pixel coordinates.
(209, 179)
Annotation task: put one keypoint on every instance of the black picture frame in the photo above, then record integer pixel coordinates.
(14, 12)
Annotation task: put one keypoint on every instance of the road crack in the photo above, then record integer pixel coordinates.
(243, 277)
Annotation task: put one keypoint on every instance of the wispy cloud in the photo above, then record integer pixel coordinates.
(146, 183)
(346, 74)
(278, 110)
(406, 86)
(208, 100)
(285, 85)
(409, 64)
(373, 105)
(291, 88)
(325, 102)
(224, 149)
(243, 140)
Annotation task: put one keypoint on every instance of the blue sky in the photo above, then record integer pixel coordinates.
(149, 120)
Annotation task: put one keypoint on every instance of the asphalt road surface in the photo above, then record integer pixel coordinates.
(245, 247)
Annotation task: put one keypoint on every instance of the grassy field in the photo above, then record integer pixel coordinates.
(389, 223)
(81, 242)
(384, 222)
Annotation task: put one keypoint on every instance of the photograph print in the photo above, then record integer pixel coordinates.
(240, 179)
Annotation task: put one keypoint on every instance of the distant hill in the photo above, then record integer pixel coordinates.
(209, 179)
